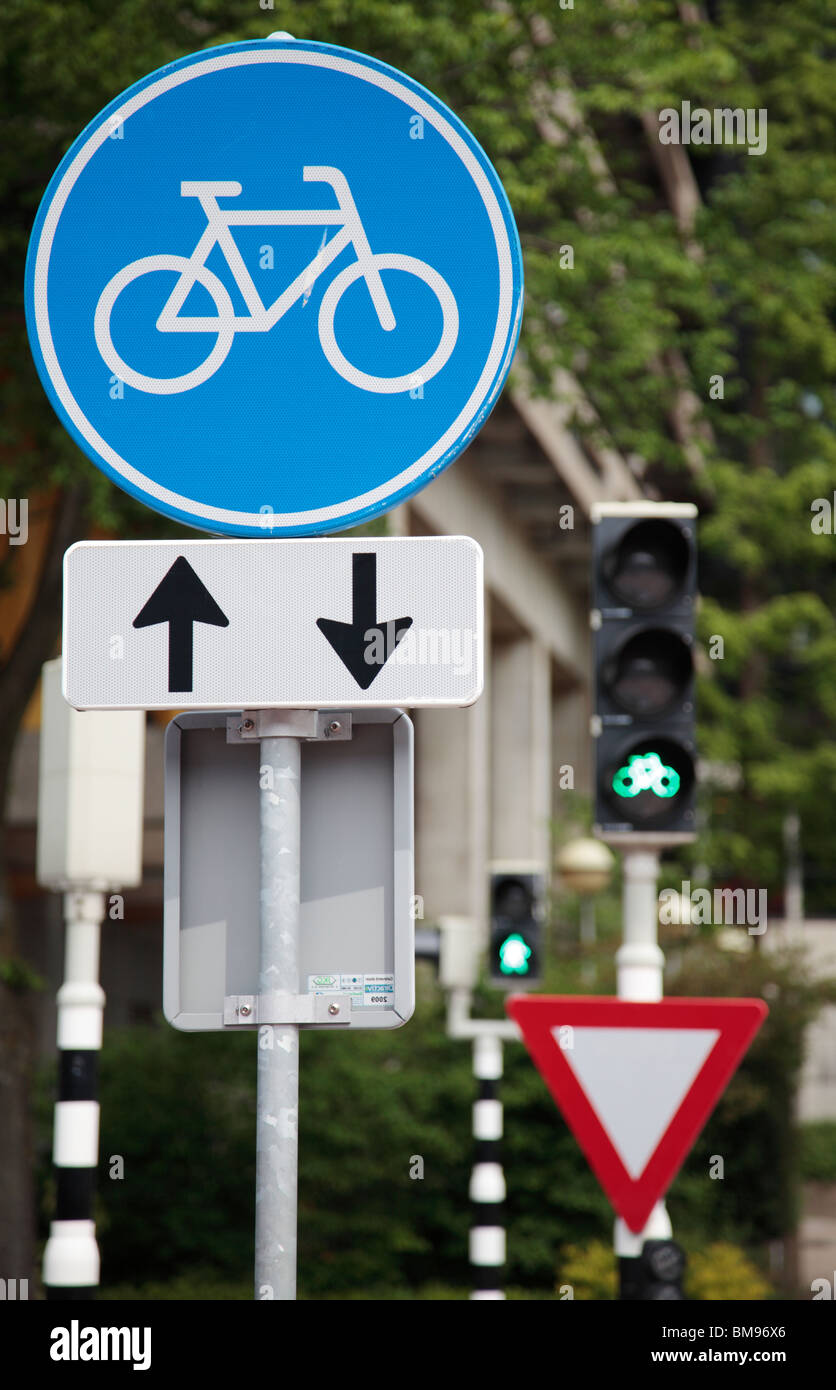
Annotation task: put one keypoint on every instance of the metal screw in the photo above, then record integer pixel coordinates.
(245, 1010)
(334, 727)
(333, 1008)
(248, 724)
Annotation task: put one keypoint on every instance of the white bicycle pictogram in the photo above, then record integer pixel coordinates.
(192, 270)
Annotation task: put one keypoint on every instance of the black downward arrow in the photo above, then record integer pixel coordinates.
(364, 645)
(180, 599)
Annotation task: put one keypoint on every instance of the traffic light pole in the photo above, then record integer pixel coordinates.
(458, 967)
(639, 971)
(643, 606)
(639, 960)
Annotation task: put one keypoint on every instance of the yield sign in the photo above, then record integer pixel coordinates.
(635, 1082)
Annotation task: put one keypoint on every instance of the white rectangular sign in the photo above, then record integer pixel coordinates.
(260, 624)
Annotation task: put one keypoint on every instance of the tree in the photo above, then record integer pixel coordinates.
(699, 316)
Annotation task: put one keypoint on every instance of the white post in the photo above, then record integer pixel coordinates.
(639, 961)
(277, 1142)
(639, 971)
(90, 797)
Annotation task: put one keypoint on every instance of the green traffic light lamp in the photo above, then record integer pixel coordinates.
(514, 955)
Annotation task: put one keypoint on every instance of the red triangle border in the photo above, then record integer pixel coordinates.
(737, 1020)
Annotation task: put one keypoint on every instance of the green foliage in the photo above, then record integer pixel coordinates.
(718, 1271)
(818, 1151)
(589, 1271)
(19, 976)
(203, 1285)
(180, 1110)
(198, 1284)
(364, 1114)
(722, 1271)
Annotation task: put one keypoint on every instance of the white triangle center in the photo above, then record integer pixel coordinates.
(635, 1079)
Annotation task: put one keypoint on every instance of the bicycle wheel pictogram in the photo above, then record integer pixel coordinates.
(223, 325)
(433, 364)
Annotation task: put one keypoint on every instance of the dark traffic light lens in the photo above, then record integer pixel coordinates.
(649, 672)
(649, 781)
(513, 900)
(649, 565)
(664, 1259)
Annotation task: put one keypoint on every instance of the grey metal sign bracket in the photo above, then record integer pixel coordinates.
(247, 1010)
(311, 725)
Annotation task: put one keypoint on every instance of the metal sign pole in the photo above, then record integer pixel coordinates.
(277, 1139)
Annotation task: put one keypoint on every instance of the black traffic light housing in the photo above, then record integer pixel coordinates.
(656, 1276)
(644, 594)
(516, 915)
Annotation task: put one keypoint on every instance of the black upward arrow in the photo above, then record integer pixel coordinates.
(181, 600)
(364, 645)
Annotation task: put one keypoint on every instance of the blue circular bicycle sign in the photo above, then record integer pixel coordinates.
(274, 288)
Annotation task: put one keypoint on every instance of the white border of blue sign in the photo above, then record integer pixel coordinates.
(350, 511)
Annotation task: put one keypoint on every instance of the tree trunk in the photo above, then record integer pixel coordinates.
(17, 1207)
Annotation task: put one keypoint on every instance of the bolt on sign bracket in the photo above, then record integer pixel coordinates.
(246, 1010)
(312, 725)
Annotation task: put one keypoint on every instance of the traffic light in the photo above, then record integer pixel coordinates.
(516, 928)
(644, 593)
(656, 1275)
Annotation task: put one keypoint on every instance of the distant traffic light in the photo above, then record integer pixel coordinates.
(656, 1275)
(644, 592)
(516, 928)
(663, 1266)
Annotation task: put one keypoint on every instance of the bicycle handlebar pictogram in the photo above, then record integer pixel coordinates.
(192, 270)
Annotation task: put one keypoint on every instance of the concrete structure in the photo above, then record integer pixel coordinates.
(488, 778)
(817, 1093)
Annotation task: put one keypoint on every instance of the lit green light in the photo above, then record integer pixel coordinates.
(645, 772)
(513, 955)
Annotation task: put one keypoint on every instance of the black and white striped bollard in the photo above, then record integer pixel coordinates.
(487, 1183)
(71, 1257)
